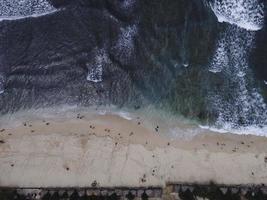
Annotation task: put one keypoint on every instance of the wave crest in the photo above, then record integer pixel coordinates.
(247, 14)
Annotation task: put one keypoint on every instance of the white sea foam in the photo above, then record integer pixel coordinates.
(236, 101)
(95, 68)
(214, 129)
(114, 111)
(18, 9)
(249, 130)
(125, 43)
(220, 59)
(25, 17)
(247, 14)
(128, 4)
(125, 115)
(186, 65)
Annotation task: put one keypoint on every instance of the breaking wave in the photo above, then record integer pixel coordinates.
(248, 14)
(237, 102)
(125, 43)
(95, 68)
(17, 9)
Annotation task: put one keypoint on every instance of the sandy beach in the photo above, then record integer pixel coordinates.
(110, 151)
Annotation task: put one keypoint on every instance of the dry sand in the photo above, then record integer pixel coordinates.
(112, 151)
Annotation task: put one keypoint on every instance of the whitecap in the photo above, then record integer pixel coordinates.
(241, 74)
(125, 44)
(26, 17)
(247, 14)
(20, 9)
(95, 69)
(241, 104)
(128, 4)
(214, 71)
(185, 65)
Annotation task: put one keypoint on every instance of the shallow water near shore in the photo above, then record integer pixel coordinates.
(157, 120)
(167, 125)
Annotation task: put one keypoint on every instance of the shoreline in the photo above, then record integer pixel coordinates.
(115, 152)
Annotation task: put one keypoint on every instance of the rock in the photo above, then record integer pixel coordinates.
(125, 192)
(89, 192)
(149, 193)
(111, 192)
(234, 190)
(224, 190)
(70, 192)
(81, 193)
(176, 188)
(51, 192)
(157, 193)
(139, 193)
(44, 193)
(61, 192)
(104, 192)
(175, 196)
(264, 190)
(96, 192)
(244, 191)
(118, 192)
(133, 192)
(184, 188)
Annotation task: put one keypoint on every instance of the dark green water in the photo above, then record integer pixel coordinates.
(204, 60)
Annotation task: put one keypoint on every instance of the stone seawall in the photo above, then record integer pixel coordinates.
(170, 192)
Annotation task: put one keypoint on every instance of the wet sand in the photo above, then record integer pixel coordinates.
(111, 151)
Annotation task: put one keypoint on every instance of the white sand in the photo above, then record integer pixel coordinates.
(114, 151)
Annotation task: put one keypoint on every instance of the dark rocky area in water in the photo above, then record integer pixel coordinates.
(170, 192)
(128, 53)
